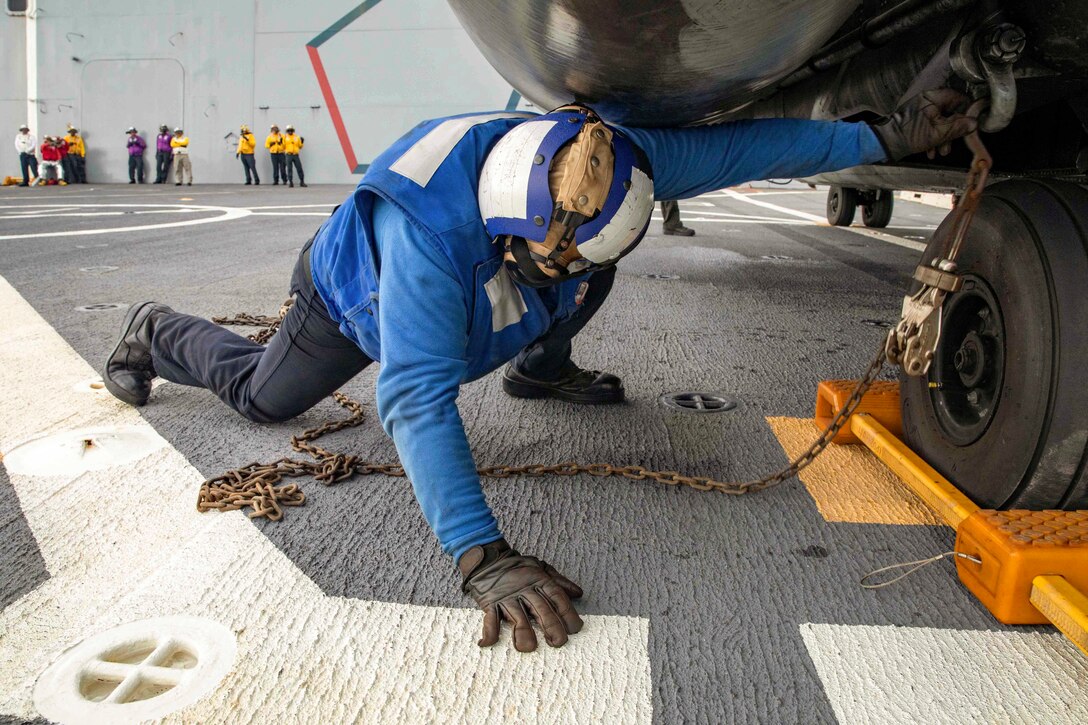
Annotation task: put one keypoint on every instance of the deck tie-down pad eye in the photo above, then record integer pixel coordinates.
(139, 671)
(698, 402)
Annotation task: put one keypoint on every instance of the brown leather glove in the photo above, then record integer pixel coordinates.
(930, 121)
(516, 588)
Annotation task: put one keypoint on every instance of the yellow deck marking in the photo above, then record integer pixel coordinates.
(848, 483)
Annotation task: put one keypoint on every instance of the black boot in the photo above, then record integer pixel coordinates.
(129, 368)
(680, 231)
(575, 385)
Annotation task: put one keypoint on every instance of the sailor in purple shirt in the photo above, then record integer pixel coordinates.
(136, 146)
(164, 155)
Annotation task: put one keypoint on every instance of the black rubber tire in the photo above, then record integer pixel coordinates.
(842, 202)
(1028, 245)
(878, 213)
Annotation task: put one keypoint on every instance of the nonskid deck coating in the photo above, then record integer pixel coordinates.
(712, 608)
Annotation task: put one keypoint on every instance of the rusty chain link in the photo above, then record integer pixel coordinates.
(258, 485)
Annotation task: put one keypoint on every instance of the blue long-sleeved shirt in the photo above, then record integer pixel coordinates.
(425, 334)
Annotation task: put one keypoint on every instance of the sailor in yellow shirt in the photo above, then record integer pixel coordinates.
(274, 144)
(247, 143)
(292, 144)
(182, 165)
(75, 162)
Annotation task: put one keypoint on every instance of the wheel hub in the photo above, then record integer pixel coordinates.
(970, 360)
(966, 378)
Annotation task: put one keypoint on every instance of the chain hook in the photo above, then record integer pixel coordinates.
(912, 343)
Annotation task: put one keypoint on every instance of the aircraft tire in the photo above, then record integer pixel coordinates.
(842, 202)
(1003, 410)
(878, 213)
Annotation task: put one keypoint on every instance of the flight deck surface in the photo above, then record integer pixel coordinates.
(699, 607)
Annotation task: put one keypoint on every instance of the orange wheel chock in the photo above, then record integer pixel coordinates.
(1034, 564)
(881, 401)
(1015, 547)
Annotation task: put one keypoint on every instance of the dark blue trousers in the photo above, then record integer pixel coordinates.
(548, 357)
(28, 164)
(279, 168)
(309, 358)
(250, 166)
(136, 168)
(163, 159)
(293, 162)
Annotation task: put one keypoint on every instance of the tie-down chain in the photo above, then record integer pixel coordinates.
(911, 344)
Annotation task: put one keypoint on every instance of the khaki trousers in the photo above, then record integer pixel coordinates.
(182, 165)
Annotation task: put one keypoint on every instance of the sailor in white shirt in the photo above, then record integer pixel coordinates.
(27, 145)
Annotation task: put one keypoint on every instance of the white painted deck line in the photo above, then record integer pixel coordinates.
(887, 674)
(750, 199)
(92, 193)
(290, 213)
(228, 213)
(698, 217)
(873, 233)
(127, 543)
(294, 206)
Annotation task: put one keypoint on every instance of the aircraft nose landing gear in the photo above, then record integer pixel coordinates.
(994, 393)
(1003, 410)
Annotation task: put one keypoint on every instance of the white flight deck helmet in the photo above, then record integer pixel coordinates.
(565, 195)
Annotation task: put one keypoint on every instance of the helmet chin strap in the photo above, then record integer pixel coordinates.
(524, 267)
(527, 268)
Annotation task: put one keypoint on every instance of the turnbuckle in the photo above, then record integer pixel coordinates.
(912, 344)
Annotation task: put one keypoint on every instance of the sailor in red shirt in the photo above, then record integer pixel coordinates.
(52, 153)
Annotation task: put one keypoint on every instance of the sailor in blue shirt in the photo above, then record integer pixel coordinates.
(472, 242)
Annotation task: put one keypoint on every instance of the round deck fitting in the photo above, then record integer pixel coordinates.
(101, 307)
(698, 402)
(139, 671)
(72, 452)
